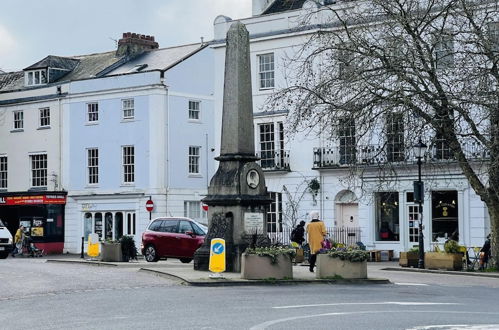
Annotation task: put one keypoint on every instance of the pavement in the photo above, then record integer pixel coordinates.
(185, 274)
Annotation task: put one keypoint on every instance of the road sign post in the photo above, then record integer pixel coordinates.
(149, 207)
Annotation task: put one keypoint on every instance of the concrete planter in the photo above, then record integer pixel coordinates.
(409, 259)
(111, 252)
(255, 267)
(328, 267)
(441, 260)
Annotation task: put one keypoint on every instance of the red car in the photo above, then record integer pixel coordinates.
(172, 238)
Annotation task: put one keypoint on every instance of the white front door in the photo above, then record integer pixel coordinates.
(347, 215)
(412, 215)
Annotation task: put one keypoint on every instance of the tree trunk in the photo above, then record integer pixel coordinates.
(494, 237)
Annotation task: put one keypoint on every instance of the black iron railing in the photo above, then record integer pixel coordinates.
(345, 235)
(341, 156)
(274, 160)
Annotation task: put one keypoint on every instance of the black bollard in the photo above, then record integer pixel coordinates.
(82, 246)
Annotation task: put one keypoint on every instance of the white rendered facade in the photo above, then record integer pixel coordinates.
(339, 203)
(144, 118)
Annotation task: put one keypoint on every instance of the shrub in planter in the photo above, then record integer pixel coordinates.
(409, 258)
(274, 262)
(128, 249)
(346, 263)
(451, 259)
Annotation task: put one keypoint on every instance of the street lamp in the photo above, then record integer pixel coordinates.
(419, 150)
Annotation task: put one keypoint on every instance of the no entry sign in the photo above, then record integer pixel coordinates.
(149, 205)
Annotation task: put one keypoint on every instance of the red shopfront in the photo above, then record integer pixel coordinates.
(42, 214)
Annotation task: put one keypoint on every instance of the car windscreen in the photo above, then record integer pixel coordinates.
(1, 224)
(197, 229)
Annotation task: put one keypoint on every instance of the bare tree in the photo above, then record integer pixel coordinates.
(429, 65)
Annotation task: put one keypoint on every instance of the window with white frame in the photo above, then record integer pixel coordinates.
(266, 70)
(493, 31)
(274, 214)
(194, 110)
(93, 165)
(35, 77)
(92, 112)
(128, 108)
(3, 172)
(128, 164)
(193, 210)
(346, 60)
(271, 136)
(44, 117)
(347, 139)
(444, 51)
(18, 119)
(38, 170)
(395, 137)
(194, 154)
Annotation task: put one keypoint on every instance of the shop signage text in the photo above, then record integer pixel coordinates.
(29, 200)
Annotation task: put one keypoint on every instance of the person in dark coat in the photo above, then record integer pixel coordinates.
(298, 234)
(485, 253)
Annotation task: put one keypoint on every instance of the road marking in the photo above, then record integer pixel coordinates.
(411, 284)
(458, 326)
(267, 324)
(401, 303)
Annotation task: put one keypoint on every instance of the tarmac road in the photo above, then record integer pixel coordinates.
(39, 295)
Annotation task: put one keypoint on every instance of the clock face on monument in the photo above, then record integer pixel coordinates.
(253, 178)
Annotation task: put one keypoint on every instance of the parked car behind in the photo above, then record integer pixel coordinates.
(173, 237)
(6, 243)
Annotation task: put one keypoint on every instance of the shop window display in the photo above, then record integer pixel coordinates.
(387, 216)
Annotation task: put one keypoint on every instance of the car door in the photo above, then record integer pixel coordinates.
(188, 241)
(168, 241)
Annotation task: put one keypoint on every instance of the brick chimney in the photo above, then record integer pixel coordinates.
(134, 43)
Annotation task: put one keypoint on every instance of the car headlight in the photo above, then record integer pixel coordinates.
(10, 241)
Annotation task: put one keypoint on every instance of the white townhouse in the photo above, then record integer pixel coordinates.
(143, 131)
(309, 172)
(86, 141)
(31, 189)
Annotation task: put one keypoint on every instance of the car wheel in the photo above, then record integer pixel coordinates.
(185, 260)
(150, 254)
(4, 255)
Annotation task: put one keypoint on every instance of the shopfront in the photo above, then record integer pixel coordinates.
(42, 215)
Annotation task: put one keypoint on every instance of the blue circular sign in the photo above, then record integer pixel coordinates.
(217, 248)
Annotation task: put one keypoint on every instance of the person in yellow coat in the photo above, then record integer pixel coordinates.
(316, 231)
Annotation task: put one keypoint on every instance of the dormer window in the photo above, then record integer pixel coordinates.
(36, 77)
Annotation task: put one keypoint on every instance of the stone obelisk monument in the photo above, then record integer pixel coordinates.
(237, 195)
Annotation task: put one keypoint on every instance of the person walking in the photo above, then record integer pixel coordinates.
(298, 234)
(18, 241)
(316, 231)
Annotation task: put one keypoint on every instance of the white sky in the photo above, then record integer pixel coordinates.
(33, 29)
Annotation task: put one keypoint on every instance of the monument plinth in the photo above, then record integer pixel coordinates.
(237, 195)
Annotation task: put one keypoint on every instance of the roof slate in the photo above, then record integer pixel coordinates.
(160, 59)
(51, 61)
(11, 80)
(283, 5)
(101, 64)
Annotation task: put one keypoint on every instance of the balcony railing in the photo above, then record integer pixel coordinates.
(344, 156)
(274, 160)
